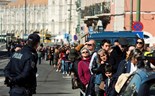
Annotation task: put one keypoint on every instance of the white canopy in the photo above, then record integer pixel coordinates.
(150, 41)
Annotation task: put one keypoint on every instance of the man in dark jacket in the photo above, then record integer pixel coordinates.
(118, 53)
(20, 72)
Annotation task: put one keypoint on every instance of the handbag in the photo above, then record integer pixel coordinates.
(102, 85)
(121, 81)
(75, 82)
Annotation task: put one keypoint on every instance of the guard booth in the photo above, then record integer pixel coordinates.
(112, 36)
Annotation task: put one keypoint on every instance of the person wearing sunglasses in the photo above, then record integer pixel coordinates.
(140, 44)
(91, 45)
(83, 67)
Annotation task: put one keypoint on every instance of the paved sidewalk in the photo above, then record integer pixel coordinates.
(52, 83)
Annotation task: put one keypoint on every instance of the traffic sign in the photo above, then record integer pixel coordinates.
(137, 26)
(139, 34)
(75, 37)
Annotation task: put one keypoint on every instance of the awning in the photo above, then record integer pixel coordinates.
(150, 41)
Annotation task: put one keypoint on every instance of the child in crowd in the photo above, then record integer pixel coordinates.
(110, 81)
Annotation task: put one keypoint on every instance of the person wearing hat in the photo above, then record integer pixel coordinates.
(20, 72)
(18, 47)
(118, 53)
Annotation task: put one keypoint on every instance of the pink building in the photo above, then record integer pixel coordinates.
(119, 14)
(147, 16)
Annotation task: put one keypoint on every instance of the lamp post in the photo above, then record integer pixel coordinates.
(1, 29)
(78, 5)
(25, 17)
(70, 16)
(131, 14)
(138, 10)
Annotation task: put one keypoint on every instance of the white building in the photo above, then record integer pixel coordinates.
(46, 16)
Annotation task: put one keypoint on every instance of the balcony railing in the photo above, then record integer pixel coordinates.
(98, 8)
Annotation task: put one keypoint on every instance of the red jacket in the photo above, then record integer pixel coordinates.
(83, 71)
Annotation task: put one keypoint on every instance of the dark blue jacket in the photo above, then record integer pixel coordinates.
(110, 90)
(124, 67)
(22, 69)
(116, 56)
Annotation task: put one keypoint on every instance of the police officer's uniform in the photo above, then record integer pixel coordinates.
(21, 72)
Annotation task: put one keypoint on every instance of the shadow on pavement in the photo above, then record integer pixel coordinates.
(50, 81)
(56, 93)
(1, 72)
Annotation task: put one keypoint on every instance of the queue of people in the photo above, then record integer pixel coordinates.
(95, 70)
(98, 70)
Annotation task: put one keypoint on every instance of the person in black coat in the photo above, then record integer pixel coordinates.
(74, 57)
(20, 72)
(118, 53)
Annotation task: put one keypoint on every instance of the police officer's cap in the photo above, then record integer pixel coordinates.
(34, 37)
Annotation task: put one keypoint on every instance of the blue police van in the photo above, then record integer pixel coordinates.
(112, 36)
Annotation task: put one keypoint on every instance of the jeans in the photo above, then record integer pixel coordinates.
(19, 91)
(62, 66)
(66, 66)
(39, 60)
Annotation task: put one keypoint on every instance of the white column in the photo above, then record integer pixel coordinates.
(119, 20)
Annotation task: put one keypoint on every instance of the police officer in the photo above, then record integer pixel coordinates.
(20, 72)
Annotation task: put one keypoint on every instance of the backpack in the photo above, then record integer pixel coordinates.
(75, 81)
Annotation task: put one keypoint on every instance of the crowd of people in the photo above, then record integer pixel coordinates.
(96, 70)
(105, 65)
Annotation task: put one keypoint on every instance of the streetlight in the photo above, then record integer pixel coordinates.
(70, 16)
(78, 6)
(1, 30)
(25, 16)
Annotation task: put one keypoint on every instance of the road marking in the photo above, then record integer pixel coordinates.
(66, 77)
(4, 50)
(2, 81)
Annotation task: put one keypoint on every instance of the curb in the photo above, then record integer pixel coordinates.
(2, 79)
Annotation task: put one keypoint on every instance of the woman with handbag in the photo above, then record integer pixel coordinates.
(83, 67)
